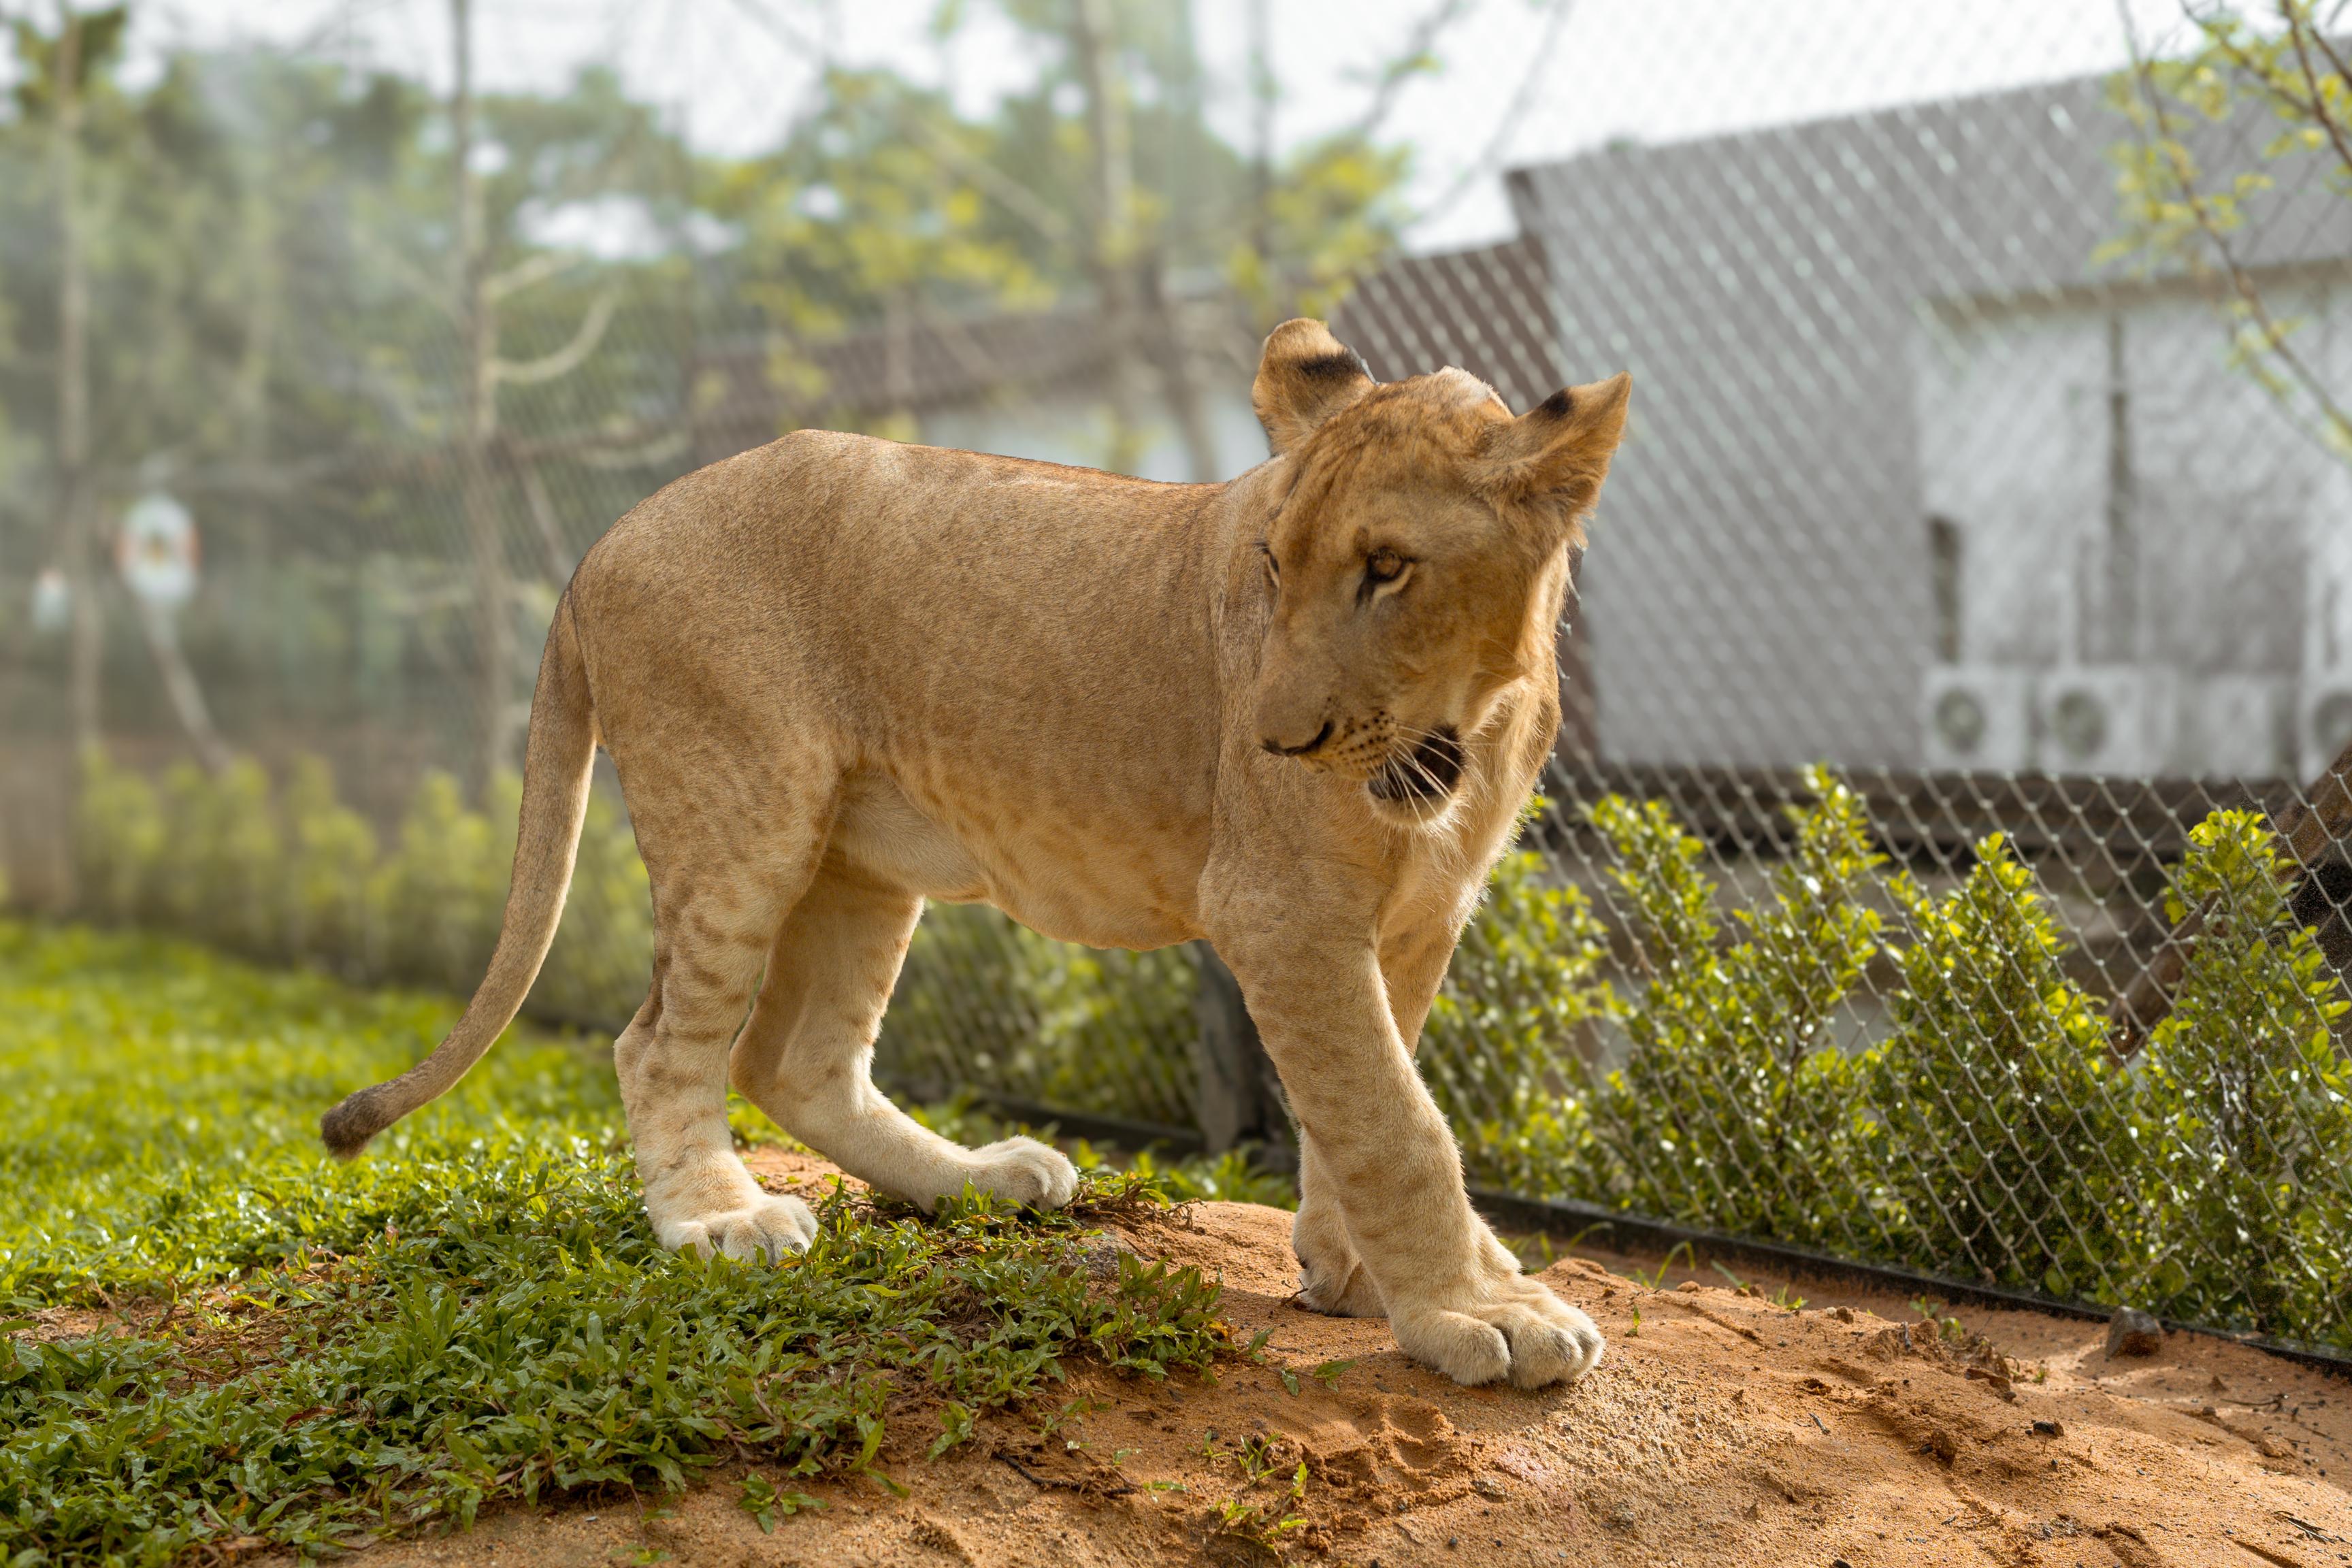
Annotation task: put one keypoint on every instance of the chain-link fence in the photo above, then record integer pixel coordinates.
(1933, 870)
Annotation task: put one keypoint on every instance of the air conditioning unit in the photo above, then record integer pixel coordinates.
(2106, 719)
(2234, 726)
(1977, 718)
(2323, 723)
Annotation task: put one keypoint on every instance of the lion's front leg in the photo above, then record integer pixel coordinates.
(1331, 1277)
(1455, 1297)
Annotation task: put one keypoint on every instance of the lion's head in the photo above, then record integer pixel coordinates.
(1414, 559)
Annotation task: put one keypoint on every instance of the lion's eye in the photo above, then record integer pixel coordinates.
(1384, 566)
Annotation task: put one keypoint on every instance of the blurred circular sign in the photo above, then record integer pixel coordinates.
(52, 601)
(156, 551)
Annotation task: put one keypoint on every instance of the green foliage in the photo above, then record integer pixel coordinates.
(983, 1000)
(331, 857)
(2000, 1103)
(440, 890)
(1508, 1035)
(2249, 1158)
(1735, 1105)
(297, 874)
(1228, 1177)
(294, 874)
(475, 1312)
(1988, 1131)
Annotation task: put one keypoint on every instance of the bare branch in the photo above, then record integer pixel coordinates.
(563, 361)
(1499, 145)
(992, 181)
(1390, 85)
(434, 291)
(2273, 334)
(524, 273)
(542, 514)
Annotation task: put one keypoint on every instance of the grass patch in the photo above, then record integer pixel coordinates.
(294, 1354)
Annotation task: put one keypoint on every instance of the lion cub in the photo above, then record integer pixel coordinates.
(1295, 714)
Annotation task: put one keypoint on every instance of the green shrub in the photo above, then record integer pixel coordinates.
(2248, 1134)
(330, 857)
(1508, 1036)
(600, 965)
(982, 1000)
(1113, 1030)
(1989, 1133)
(1734, 1106)
(2005, 1138)
(440, 890)
(118, 839)
(302, 877)
(959, 1011)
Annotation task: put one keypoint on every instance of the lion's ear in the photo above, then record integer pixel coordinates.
(1552, 458)
(1305, 377)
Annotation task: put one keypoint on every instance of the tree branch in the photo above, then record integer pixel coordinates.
(524, 273)
(1555, 24)
(1390, 85)
(565, 360)
(2168, 148)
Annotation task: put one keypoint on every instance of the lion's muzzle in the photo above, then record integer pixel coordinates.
(1422, 773)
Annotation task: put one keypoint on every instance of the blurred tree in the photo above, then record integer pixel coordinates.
(399, 383)
(1102, 181)
(64, 71)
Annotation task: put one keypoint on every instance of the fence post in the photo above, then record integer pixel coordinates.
(1240, 1096)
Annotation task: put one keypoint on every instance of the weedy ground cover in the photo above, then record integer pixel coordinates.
(215, 1337)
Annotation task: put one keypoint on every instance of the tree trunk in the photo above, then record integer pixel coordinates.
(1179, 388)
(76, 523)
(1262, 100)
(494, 718)
(1109, 138)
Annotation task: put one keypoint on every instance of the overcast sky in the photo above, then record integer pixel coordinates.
(733, 72)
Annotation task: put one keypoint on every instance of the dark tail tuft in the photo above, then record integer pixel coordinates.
(349, 1126)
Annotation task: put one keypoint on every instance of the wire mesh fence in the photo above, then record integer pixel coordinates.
(1940, 862)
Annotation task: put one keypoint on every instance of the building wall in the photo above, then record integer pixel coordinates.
(1760, 589)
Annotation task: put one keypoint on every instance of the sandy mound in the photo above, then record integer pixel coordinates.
(1720, 1429)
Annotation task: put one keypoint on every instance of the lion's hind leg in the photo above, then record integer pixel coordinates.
(717, 907)
(807, 1056)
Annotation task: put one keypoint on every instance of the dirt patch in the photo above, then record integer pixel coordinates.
(1722, 1429)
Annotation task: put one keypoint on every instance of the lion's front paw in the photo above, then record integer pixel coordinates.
(1346, 1292)
(1333, 1278)
(768, 1228)
(1025, 1171)
(1519, 1331)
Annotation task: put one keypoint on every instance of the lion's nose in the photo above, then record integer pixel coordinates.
(1279, 749)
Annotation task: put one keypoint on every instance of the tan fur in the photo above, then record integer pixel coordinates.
(839, 676)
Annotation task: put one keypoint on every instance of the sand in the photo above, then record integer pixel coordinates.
(1722, 1429)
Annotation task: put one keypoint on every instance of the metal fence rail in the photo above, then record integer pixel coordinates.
(1967, 624)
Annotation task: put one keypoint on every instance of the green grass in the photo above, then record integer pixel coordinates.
(292, 1353)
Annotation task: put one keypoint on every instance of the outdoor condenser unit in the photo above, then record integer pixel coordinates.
(2116, 719)
(2323, 722)
(1977, 718)
(2235, 727)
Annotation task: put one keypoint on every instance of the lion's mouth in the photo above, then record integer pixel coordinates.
(1426, 771)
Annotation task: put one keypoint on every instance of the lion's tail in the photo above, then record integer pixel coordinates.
(555, 776)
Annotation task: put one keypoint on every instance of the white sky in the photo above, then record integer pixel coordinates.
(1652, 70)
